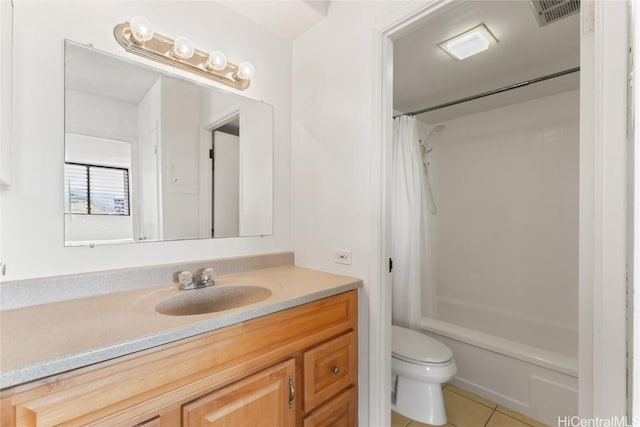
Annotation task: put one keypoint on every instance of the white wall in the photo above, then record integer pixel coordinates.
(101, 117)
(333, 75)
(6, 97)
(179, 145)
(336, 151)
(506, 186)
(146, 197)
(97, 151)
(256, 168)
(634, 357)
(32, 208)
(85, 229)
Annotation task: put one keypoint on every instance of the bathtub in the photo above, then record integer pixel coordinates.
(523, 364)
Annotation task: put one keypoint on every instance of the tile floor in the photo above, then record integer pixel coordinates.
(468, 410)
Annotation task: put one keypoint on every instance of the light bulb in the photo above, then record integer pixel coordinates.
(217, 61)
(141, 29)
(246, 71)
(183, 48)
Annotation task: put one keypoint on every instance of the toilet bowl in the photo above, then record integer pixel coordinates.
(419, 365)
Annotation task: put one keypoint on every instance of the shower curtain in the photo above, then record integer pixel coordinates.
(409, 213)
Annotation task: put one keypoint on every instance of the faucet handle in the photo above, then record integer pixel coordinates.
(207, 274)
(185, 278)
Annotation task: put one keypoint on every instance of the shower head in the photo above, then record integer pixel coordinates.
(428, 149)
(438, 128)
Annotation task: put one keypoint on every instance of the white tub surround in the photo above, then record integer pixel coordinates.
(539, 383)
(533, 335)
(506, 234)
(70, 334)
(504, 252)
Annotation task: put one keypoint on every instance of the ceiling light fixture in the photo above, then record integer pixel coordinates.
(137, 36)
(471, 42)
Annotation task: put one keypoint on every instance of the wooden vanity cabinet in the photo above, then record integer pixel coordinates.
(294, 367)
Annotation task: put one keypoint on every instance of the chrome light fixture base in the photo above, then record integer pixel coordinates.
(160, 48)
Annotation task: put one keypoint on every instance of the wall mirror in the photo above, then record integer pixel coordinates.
(150, 156)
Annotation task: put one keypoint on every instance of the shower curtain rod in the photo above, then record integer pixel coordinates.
(492, 92)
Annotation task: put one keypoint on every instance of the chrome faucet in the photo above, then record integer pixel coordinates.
(189, 280)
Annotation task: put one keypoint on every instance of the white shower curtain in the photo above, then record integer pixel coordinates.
(407, 222)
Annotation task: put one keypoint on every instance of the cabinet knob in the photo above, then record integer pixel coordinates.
(335, 370)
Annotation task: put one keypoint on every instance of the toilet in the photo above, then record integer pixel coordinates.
(419, 367)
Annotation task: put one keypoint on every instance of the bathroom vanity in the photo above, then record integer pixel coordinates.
(294, 365)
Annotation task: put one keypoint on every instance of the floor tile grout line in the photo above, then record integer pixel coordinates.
(490, 416)
(494, 408)
(513, 418)
(480, 403)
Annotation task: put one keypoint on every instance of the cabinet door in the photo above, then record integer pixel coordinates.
(341, 411)
(262, 399)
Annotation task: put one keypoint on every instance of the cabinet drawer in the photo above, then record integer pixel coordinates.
(153, 422)
(328, 369)
(341, 411)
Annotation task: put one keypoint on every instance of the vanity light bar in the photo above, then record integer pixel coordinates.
(181, 53)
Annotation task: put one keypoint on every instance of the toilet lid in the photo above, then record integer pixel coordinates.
(414, 346)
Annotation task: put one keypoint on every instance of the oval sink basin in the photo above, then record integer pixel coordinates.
(210, 300)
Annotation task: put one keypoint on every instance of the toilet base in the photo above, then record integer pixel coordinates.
(419, 401)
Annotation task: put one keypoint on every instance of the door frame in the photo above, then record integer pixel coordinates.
(603, 214)
(204, 182)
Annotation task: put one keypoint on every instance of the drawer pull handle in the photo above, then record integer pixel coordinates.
(292, 392)
(335, 370)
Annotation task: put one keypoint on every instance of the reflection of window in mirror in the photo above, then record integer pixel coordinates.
(96, 190)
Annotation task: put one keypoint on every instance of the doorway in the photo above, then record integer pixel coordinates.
(602, 232)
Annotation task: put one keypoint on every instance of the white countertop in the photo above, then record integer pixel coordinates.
(48, 339)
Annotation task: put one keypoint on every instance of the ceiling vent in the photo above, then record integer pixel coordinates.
(548, 11)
